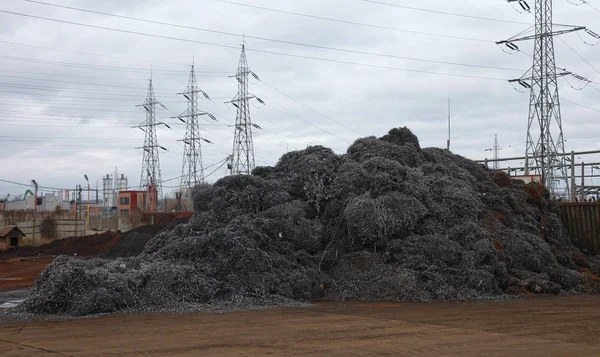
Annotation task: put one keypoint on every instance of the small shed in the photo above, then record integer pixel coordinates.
(11, 236)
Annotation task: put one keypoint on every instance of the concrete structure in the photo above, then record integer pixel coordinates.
(122, 183)
(131, 201)
(108, 191)
(11, 236)
(46, 203)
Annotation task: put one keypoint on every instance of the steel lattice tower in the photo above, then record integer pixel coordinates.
(545, 147)
(150, 179)
(192, 172)
(242, 160)
(496, 149)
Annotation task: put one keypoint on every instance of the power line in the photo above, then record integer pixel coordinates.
(8, 137)
(253, 50)
(221, 163)
(83, 109)
(445, 12)
(283, 144)
(580, 56)
(353, 22)
(58, 100)
(298, 117)
(590, 5)
(271, 39)
(581, 105)
(85, 65)
(87, 99)
(306, 106)
(35, 87)
(53, 98)
(94, 54)
(71, 82)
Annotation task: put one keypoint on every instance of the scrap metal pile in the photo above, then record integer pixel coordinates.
(385, 221)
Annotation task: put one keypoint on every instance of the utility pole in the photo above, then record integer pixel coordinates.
(77, 208)
(87, 208)
(150, 179)
(583, 182)
(573, 186)
(34, 211)
(192, 171)
(242, 160)
(545, 147)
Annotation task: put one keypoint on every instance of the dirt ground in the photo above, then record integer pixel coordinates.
(21, 272)
(563, 326)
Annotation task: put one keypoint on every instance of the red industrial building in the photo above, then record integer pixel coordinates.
(132, 201)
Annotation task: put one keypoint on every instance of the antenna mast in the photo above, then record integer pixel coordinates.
(449, 113)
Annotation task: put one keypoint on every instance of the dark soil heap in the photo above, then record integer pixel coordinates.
(77, 246)
(386, 221)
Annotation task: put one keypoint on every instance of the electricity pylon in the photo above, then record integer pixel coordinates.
(242, 160)
(150, 179)
(496, 149)
(192, 171)
(496, 152)
(545, 147)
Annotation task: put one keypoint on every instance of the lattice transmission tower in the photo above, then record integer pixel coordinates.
(150, 179)
(496, 149)
(545, 147)
(242, 159)
(192, 170)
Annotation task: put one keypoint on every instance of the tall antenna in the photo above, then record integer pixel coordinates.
(150, 179)
(242, 160)
(192, 171)
(545, 147)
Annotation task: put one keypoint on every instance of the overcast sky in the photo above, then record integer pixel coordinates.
(68, 93)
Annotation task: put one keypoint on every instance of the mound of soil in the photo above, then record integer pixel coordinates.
(91, 245)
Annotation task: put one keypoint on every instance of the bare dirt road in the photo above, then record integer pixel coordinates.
(564, 326)
(21, 272)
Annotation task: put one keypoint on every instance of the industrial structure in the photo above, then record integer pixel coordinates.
(242, 159)
(150, 179)
(545, 148)
(192, 171)
(112, 184)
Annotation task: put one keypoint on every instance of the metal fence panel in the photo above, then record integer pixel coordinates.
(582, 222)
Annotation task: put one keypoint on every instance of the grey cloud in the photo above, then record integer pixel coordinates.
(367, 100)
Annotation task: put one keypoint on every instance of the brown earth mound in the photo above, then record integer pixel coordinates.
(108, 244)
(80, 246)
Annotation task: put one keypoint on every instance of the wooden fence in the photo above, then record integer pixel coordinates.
(582, 222)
